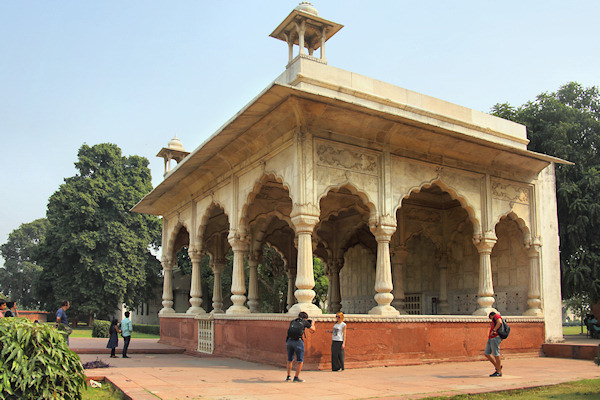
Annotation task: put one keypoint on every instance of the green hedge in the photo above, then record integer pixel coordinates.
(100, 328)
(150, 329)
(36, 363)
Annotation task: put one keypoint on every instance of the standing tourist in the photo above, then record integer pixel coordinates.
(2, 308)
(492, 348)
(62, 322)
(338, 343)
(113, 339)
(295, 344)
(126, 329)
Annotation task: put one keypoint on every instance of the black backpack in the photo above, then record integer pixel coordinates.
(296, 329)
(504, 330)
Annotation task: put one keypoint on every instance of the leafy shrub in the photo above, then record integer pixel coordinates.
(100, 328)
(36, 362)
(150, 329)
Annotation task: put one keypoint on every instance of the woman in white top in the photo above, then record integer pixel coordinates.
(338, 343)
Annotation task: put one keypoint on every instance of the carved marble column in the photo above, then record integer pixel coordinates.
(301, 28)
(218, 266)
(291, 300)
(304, 223)
(399, 255)
(167, 295)
(238, 284)
(253, 298)
(196, 284)
(534, 301)
(335, 266)
(443, 305)
(485, 299)
(383, 272)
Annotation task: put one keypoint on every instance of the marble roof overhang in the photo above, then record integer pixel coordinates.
(281, 109)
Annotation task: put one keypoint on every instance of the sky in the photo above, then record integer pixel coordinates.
(137, 73)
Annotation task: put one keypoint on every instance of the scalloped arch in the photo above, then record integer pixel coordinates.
(206, 216)
(170, 253)
(258, 184)
(521, 223)
(364, 197)
(453, 194)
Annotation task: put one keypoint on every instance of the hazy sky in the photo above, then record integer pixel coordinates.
(135, 73)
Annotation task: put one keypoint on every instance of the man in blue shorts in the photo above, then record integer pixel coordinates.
(492, 348)
(295, 344)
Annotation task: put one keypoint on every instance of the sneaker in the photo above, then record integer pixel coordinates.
(496, 374)
(125, 356)
(296, 379)
(289, 378)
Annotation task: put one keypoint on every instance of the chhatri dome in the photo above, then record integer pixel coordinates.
(307, 8)
(175, 144)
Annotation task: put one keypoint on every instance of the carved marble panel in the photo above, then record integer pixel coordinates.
(511, 192)
(347, 158)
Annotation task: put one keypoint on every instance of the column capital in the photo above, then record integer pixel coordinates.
(485, 243)
(304, 217)
(382, 232)
(195, 254)
(533, 247)
(399, 254)
(167, 263)
(238, 241)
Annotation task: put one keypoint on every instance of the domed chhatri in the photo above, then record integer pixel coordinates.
(175, 144)
(307, 7)
(173, 151)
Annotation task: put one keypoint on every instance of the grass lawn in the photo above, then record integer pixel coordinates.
(573, 330)
(586, 389)
(106, 392)
(87, 333)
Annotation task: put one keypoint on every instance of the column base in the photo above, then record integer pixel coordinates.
(253, 306)
(309, 308)
(485, 311)
(196, 310)
(166, 310)
(534, 312)
(237, 310)
(384, 310)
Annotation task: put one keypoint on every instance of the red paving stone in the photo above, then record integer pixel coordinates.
(150, 375)
(178, 376)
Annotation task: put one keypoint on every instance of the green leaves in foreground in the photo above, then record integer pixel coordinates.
(36, 362)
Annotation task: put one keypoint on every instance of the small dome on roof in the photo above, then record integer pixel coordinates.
(175, 144)
(307, 8)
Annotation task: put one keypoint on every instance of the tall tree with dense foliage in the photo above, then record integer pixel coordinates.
(20, 268)
(566, 124)
(97, 253)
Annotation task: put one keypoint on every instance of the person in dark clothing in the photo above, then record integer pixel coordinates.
(11, 309)
(113, 338)
(295, 344)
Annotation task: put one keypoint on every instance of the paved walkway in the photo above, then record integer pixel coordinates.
(136, 346)
(178, 376)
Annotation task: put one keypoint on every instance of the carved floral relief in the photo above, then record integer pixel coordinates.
(346, 158)
(510, 192)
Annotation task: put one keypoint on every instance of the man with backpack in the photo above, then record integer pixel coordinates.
(295, 344)
(492, 348)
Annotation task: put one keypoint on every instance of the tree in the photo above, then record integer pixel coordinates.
(566, 124)
(20, 268)
(579, 304)
(96, 253)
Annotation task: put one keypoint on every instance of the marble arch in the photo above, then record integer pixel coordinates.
(317, 130)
